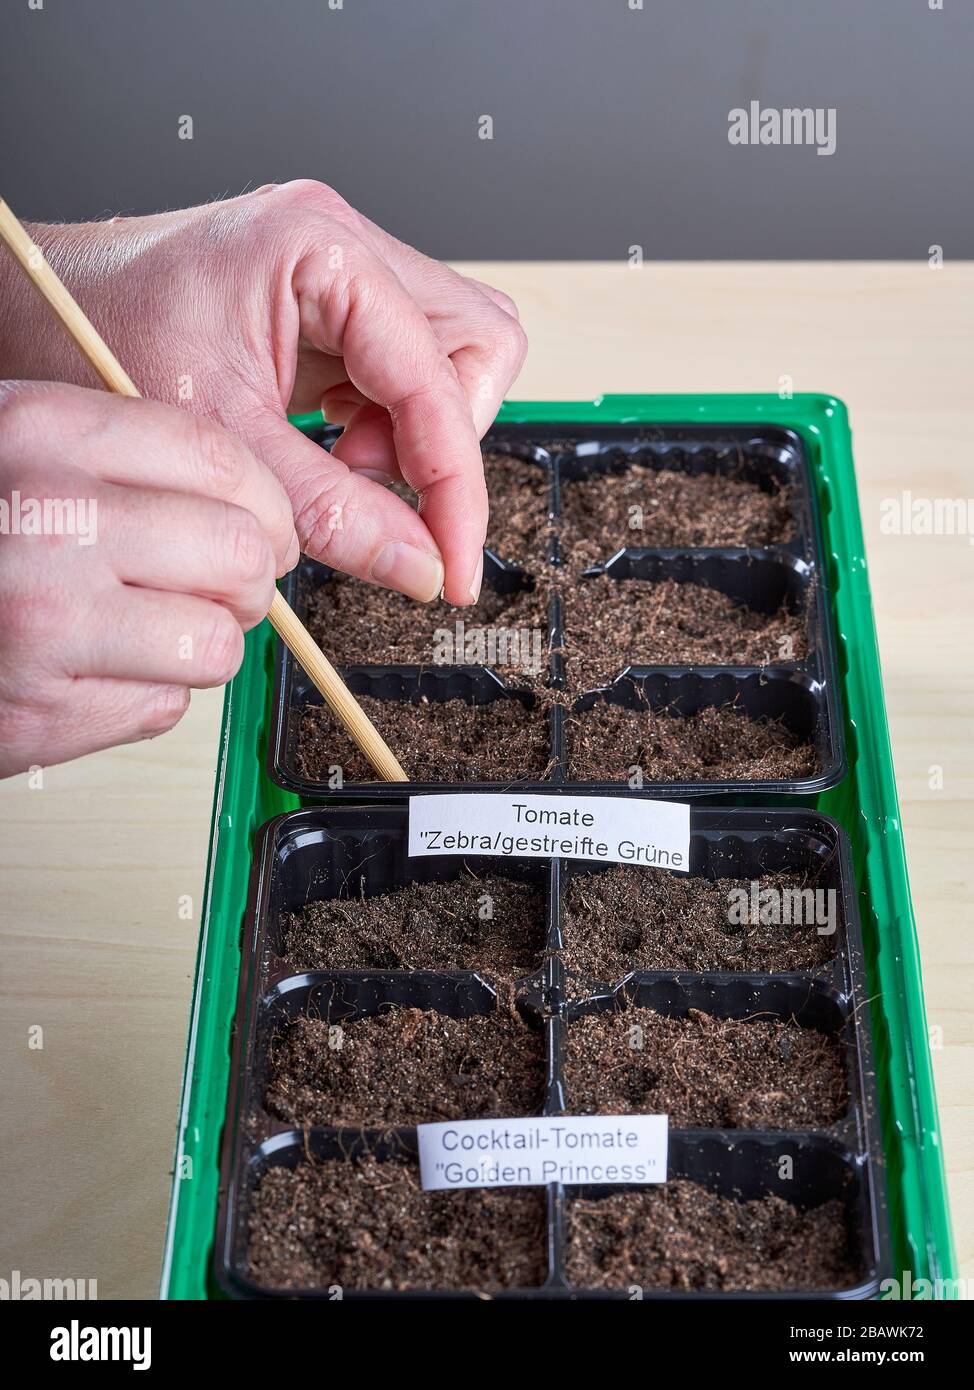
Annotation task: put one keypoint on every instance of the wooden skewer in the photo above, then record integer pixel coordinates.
(293, 633)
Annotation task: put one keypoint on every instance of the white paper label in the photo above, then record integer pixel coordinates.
(533, 1151)
(615, 830)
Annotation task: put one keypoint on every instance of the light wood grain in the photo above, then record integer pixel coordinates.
(94, 865)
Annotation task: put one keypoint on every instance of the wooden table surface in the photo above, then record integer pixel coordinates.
(98, 864)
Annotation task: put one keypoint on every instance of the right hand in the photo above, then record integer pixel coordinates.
(307, 303)
(101, 642)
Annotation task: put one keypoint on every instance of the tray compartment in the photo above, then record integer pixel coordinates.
(757, 579)
(747, 847)
(294, 1149)
(766, 457)
(404, 685)
(745, 1168)
(793, 697)
(753, 579)
(345, 997)
(310, 859)
(809, 1003)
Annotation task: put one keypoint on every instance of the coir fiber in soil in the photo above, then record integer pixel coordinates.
(647, 506)
(649, 919)
(423, 926)
(682, 1236)
(404, 1067)
(434, 740)
(705, 1072)
(368, 1225)
(359, 624)
(614, 623)
(719, 743)
(518, 495)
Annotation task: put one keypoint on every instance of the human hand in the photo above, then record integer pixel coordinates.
(287, 297)
(161, 566)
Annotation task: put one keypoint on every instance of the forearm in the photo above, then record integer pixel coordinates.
(93, 260)
(33, 346)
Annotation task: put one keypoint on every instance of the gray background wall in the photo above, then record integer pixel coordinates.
(610, 124)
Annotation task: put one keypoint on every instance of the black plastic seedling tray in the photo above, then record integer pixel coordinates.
(353, 851)
(802, 693)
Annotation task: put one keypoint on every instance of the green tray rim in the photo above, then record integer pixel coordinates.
(866, 804)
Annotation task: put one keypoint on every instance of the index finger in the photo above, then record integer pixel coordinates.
(392, 356)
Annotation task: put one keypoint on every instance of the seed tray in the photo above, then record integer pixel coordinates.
(361, 851)
(864, 803)
(802, 693)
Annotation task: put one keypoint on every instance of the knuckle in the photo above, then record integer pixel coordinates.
(220, 461)
(322, 521)
(165, 712)
(510, 336)
(311, 194)
(281, 516)
(220, 647)
(363, 284)
(499, 298)
(248, 557)
(520, 341)
(505, 302)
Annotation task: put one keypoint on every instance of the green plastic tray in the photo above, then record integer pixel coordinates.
(865, 803)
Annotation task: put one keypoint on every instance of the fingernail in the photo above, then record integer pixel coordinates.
(478, 578)
(377, 477)
(293, 555)
(408, 569)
